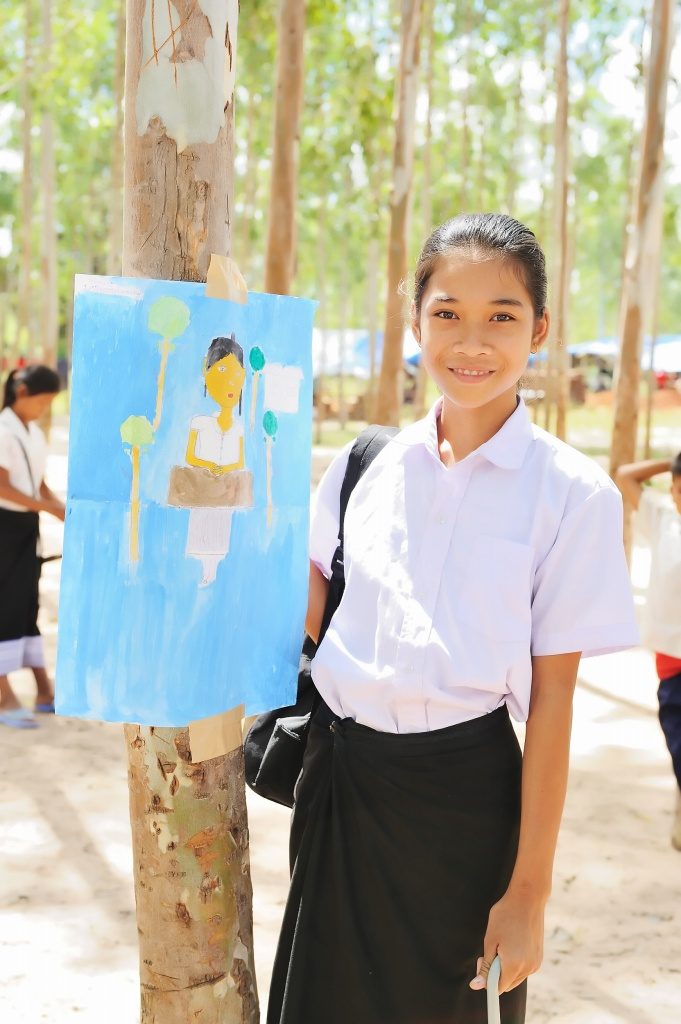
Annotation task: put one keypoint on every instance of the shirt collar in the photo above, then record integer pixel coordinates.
(12, 421)
(506, 449)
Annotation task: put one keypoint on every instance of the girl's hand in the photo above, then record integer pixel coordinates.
(515, 932)
(55, 508)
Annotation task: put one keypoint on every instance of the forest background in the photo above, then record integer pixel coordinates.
(484, 141)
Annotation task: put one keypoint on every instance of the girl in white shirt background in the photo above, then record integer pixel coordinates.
(482, 558)
(29, 392)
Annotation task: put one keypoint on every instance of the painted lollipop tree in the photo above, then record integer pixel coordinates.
(271, 426)
(168, 317)
(256, 358)
(137, 433)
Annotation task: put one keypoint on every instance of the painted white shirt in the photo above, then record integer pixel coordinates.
(456, 576)
(13, 434)
(659, 522)
(214, 446)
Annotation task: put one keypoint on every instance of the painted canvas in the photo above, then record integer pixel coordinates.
(184, 580)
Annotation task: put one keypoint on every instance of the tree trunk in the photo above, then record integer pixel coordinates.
(24, 304)
(322, 316)
(189, 824)
(390, 382)
(250, 189)
(427, 200)
(516, 139)
(114, 253)
(561, 256)
(372, 322)
(281, 229)
(638, 282)
(50, 305)
(464, 159)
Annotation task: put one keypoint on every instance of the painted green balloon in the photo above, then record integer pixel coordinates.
(168, 317)
(269, 422)
(137, 431)
(257, 359)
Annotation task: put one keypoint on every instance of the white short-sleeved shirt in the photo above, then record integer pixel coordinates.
(659, 522)
(456, 576)
(212, 445)
(13, 435)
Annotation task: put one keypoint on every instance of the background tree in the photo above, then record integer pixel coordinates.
(390, 381)
(638, 283)
(281, 237)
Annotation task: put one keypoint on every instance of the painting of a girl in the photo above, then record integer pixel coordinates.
(215, 480)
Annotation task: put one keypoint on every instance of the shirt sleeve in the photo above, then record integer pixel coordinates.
(325, 513)
(6, 440)
(582, 593)
(651, 505)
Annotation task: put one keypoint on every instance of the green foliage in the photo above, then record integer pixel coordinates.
(168, 317)
(137, 432)
(491, 144)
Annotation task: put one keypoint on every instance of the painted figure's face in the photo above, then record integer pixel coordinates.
(675, 490)
(225, 380)
(476, 328)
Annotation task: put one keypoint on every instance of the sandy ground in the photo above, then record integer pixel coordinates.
(67, 922)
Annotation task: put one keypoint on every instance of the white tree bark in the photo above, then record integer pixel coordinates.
(638, 284)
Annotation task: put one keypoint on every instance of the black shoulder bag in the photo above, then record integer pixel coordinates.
(275, 744)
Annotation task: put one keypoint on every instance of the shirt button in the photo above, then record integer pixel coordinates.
(442, 520)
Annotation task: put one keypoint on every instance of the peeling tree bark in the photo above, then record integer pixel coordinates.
(639, 274)
(390, 382)
(281, 228)
(189, 823)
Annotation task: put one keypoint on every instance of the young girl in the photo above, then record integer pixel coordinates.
(29, 392)
(482, 557)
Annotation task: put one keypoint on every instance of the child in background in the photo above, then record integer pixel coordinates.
(482, 556)
(29, 392)
(659, 520)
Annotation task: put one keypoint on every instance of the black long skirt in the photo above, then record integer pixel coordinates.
(19, 575)
(400, 846)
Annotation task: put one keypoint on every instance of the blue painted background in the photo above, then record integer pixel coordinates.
(146, 644)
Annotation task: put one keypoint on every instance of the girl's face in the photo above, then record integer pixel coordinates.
(476, 329)
(31, 407)
(225, 380)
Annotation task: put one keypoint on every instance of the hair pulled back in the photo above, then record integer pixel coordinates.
(38, 380)
(485, 236)
(220, 348)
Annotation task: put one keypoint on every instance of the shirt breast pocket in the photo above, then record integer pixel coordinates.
(495, 595)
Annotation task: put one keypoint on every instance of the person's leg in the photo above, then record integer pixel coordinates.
(44, 687)
(669, 697)
(8, 698)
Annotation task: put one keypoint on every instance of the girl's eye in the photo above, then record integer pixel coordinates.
(506, 318)
(446, 314)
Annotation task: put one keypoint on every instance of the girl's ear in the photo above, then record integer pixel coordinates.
(541, 330)
(415, 325)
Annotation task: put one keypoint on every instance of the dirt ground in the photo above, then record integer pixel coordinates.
(67, 922)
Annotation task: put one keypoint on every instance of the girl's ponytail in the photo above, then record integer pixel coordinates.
(10, 395)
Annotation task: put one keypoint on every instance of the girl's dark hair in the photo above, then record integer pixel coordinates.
(220, 348)
(486, 235)
(676, 465)
(38, 380)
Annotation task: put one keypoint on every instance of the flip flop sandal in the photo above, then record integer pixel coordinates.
(493, 1007)
(18, 718)
(45, 708)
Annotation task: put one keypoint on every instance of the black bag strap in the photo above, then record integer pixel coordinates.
(370, 442)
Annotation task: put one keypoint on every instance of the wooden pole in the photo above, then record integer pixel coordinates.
(189, 824)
